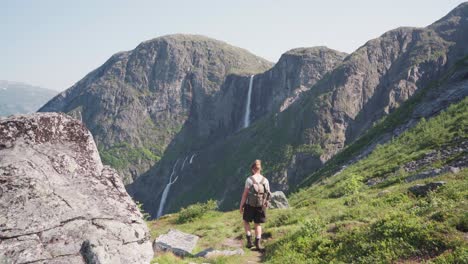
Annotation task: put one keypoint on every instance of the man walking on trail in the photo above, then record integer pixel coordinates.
(254, 202)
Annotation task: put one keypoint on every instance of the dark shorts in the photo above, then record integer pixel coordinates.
(255, 214)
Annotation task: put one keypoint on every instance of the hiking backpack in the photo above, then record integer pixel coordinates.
(258, 193)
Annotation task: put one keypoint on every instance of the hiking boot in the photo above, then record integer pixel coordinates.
(249, 241)
(258, 245)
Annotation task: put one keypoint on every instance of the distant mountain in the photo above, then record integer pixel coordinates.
(21, 98)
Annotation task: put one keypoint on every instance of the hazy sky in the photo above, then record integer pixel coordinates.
(54, 43)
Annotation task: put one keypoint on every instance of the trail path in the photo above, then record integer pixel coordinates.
(250, 256)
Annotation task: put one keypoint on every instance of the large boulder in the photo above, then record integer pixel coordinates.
(177, 242)
(58, 203)
(278, 200)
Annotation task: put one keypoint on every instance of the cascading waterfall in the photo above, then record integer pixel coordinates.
(191, 159)
(247, 107)
(183, 164)
(166, 191)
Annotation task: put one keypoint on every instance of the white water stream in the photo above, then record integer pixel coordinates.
(191, 159)
(247, 106)
(166, 191)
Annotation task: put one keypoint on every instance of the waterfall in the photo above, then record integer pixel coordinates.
(247, 106)
(166, 191)
(183, 164)
(191, 159)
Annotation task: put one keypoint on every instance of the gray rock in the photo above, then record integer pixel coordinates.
(424, 189)
(384, 193)
(59, 204)
(213, 253)
(424, 175)
(453, 170)
(175, 241)
(374, 181)
(278, 200)
(432, 173)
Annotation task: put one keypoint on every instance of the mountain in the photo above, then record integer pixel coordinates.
(139, 100)
(174, 109)
(21, 98)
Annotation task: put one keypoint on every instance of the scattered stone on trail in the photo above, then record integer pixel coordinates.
(278, 200)
(58, 203)
(424, 189)
(383, 193)
(175, 241)
(213, 253)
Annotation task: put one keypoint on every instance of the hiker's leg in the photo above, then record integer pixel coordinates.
(247, 227)
(258, 237)
(258, 230)
(248, 235)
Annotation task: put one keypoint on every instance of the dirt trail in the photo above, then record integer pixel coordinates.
(250, 256)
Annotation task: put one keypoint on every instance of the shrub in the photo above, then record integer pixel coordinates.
(195, 211)
(284, 218)
(462, 224)
(350, 185)
(390, 238)
(145, 215)
(459, 255)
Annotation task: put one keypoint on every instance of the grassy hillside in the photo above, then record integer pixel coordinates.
(340, 219)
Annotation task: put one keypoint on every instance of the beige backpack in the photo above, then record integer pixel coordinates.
(258, 194)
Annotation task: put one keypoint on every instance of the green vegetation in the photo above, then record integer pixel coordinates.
(340, 219)
(195, 211)
(121, 155)
(314, 149)
(146, 216)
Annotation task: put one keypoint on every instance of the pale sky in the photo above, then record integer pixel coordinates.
(54, 43)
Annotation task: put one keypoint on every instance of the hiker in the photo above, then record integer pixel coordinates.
(254, 203)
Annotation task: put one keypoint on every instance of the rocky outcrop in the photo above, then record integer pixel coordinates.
(58, 203)
(175, 241)
(278, 200)
(424, 189)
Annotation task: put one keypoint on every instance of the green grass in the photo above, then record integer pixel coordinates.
(119, 156)
(340, 219)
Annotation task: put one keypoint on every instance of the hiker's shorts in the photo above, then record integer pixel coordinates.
(255, 214)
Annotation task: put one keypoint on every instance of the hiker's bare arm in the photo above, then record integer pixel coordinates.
(244, 197)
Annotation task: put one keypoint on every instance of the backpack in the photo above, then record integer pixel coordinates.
(258, 194)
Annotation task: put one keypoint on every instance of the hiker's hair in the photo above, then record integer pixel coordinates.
(256, 166)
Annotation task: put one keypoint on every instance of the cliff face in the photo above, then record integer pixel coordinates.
(272, 92)
(58, 203)
(138, 100)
